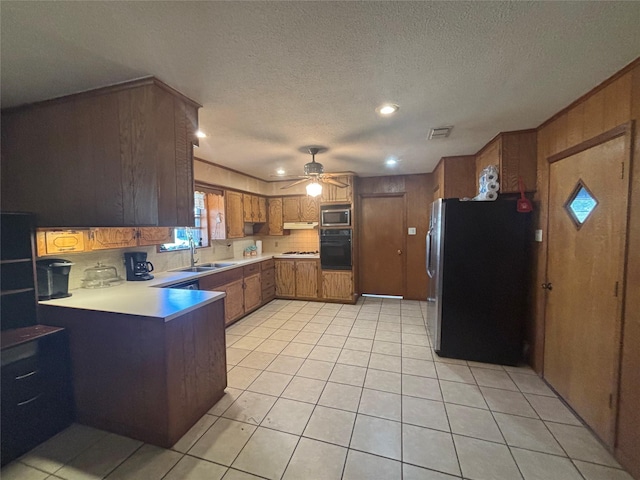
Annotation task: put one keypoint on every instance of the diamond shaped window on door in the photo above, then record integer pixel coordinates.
(580, 204)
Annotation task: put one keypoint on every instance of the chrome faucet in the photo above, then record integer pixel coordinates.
(192, 249)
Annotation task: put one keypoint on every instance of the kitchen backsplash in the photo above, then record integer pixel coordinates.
(300, 240)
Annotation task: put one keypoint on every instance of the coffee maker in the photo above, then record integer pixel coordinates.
(137, 266)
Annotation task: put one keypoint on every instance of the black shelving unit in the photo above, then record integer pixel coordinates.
(18, 296)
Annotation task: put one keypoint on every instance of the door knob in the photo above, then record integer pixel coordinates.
(399, 252)
(547, 286)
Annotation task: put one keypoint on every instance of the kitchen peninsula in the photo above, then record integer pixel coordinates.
(147, 362)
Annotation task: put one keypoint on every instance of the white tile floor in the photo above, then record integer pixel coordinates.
(326, 391)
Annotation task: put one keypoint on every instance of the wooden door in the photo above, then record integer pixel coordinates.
(309, 209)
(285, 278)
(337, 285)
(306, 279)
(235, 215)
(155, 235)
(234, 301)
(275, 216)
(382, 245)
(105, 238)
(252, 292)
(291, 209)
(585, 270)
(262, 209)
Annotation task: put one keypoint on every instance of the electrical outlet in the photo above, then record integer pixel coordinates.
(538, 235)
(276, 243)
(412, 230)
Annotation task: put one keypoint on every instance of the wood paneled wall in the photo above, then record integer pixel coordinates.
(615, 102)
(418, 190)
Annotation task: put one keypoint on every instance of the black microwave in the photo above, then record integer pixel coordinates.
(335, 216)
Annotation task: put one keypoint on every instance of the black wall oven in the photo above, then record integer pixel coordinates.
(335, 249)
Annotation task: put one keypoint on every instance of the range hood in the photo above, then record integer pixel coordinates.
(299, 225)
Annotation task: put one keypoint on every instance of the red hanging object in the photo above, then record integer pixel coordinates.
(524, 204)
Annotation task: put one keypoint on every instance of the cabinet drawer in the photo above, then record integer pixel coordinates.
(251, 269)
(268, 293)
(268, 279)
(266, 265)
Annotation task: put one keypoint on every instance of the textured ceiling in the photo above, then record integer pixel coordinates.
(276, 76)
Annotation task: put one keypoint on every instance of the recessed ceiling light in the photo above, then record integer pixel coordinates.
(387, 109)
(280, 171)
(201, 134)
(391, 162)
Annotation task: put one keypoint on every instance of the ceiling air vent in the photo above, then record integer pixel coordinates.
(439, 132)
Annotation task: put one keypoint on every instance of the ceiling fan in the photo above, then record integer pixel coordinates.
(315, 175)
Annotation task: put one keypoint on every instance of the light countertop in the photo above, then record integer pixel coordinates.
(142, 299)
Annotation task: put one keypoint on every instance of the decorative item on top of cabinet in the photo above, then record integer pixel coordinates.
(296, 278)
(129, 146)
(334, 194)
(302, 208)
(235, 214)
(337, 285)
(515, 155)
(275, 216)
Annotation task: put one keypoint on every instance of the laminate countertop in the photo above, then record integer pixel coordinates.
(152, 298)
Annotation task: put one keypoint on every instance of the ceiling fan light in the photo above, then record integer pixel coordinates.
(314, 189)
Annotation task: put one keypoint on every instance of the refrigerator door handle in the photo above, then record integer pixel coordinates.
(428, 262)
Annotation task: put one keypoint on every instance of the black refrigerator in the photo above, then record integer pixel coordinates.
(478, 257)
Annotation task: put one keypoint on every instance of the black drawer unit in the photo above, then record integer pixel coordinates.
(37, 395)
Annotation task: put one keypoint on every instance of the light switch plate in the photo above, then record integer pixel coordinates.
(412, 230)
(538, 235)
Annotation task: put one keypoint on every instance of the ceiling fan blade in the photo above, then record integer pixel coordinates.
(295, 183)
(334, 182)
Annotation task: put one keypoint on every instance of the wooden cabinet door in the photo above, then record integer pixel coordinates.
(262, 209)
(234, 301)
(306, 278)
(235, 215)
(255, 208)
(252, 292)
(275, 216)
(337, 285)
(309, 209)
(335, 194)
(285, 278)
(155, 235)
(104, 238)
(247, 207)
(217, 216)
(291, 209)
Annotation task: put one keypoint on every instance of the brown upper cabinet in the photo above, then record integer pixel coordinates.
(334, 194)
(116, 156)
(254, 208)
(453, 177)
(275, 216)
(301, 208)
(515, 155)
(235, 214)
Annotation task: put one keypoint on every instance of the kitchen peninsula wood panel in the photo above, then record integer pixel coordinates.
(142, 377)
(118, 156)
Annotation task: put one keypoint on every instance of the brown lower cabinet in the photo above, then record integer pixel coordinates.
(296, 278)
(143, 377)
(337, 285)
(243, 286)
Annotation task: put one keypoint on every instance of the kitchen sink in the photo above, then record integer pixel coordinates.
(224, 264)
(201, 268)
